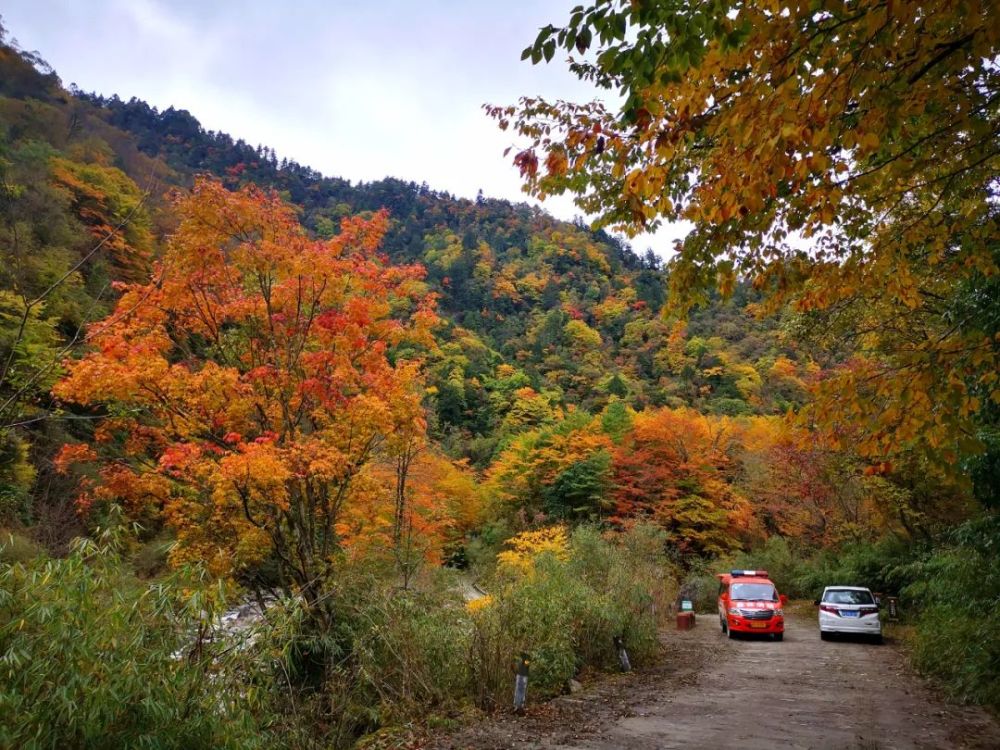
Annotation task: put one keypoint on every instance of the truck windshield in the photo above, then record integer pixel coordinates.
(759, 592)
(847, 596)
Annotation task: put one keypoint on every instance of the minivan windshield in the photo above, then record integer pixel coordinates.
(848, 596)
(757, 592)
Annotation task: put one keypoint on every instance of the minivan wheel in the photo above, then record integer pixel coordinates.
(722, 624)
(731, 633)
(824, 635)
(779, 636)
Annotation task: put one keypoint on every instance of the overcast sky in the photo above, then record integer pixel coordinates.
(361, 90)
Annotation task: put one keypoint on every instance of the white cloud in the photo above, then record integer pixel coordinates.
(151, 20)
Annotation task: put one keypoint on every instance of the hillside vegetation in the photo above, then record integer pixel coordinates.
(248, 381)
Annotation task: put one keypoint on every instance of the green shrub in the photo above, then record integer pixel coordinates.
(394, 656)
(566, 613)
(17, 548)
(150, 557)
(955, 592)
(409, 649)
(91, 658)
(633, 582)
(701, 587)
(882, 567)
(776, 556)
(481, 550)
(803, 573)
(397, 656)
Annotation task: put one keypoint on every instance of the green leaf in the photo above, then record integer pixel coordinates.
(619, 26)
(543, 35)
(549, 49)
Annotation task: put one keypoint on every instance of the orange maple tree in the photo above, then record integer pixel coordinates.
(799, 489)
(250, 381)
(673, 469)
(412, 506)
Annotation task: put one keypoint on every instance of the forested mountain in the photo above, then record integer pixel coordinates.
(510, 274)
(543, 324)
(539, 315)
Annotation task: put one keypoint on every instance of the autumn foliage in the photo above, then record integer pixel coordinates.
(249, 383)
(840, 156)
(674, 469)
(416, 508)
(266, 389)
(523, 549)
(562, 470)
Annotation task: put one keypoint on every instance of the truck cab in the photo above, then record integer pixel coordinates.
(749, 603)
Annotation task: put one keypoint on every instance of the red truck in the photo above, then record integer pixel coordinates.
(750, 603)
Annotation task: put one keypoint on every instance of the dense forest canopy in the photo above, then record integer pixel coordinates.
(557, 358)
(538, 316)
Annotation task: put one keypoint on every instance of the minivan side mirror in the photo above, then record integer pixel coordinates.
(784, 600)
(816, 603)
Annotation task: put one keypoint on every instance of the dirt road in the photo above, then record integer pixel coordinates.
(711, 692)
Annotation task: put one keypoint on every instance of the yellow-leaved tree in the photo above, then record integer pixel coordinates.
(841, 154)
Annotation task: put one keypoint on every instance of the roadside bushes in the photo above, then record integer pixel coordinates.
(393, 655)
(956, 592)
(882, 566)
(562, 599)
(782, 562)
(89, 657)
(802, 573)
(700, 586)
(398, 655)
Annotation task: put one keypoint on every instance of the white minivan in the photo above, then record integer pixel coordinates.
(849, 609)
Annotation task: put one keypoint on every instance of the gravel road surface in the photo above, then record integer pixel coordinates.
(752, 694)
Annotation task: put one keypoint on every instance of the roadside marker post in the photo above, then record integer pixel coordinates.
(626, 665)
(521, 685)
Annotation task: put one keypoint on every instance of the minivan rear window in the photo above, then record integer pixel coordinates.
(847, 596)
